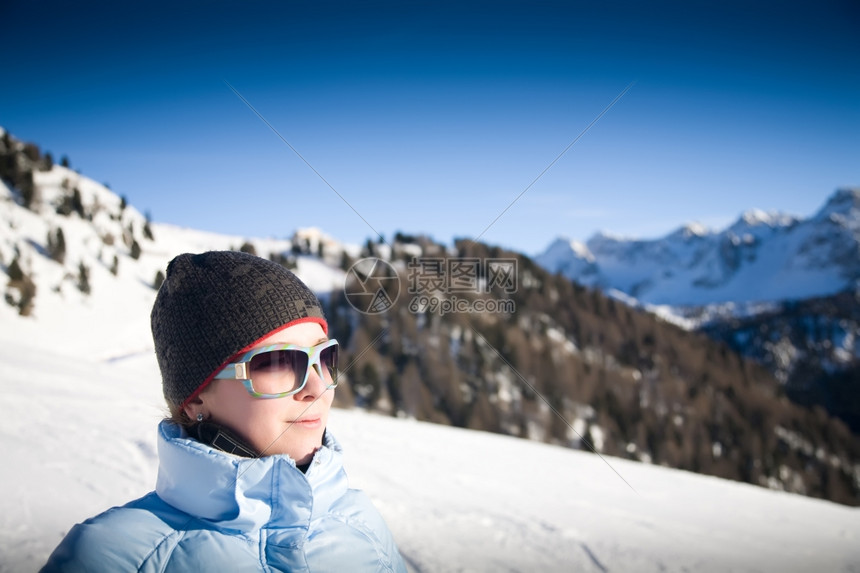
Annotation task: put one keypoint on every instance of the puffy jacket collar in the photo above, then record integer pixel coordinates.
(244, 494)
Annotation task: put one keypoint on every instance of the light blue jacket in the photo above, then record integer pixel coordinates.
(213, 511)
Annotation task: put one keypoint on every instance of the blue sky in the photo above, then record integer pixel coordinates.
(434, 116)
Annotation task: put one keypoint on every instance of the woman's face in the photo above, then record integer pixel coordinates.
(292, 425)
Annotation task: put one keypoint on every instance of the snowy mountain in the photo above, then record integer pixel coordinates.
(761, 257)
(777, 289)
(81, 359)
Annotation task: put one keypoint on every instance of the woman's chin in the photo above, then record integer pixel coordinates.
(302, 452)
(305, 456)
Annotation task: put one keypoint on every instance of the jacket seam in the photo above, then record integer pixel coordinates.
(359, 525)
(274, 486)
(166, 560)
(261, 549)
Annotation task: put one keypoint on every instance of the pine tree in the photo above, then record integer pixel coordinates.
(128, 234)
(15, 272)
(368, 250)
(368, 385)
(57, 245)
(78, 203)
(84, 278)
(28, 295)
(25, 286)
(135, 249)
(31, 152)
(28, 190)
(147, 229)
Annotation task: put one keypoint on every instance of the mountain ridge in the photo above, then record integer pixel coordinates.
(760, 257)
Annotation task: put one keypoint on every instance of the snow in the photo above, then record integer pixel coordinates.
(571, 258)
(78, 433)
(81, 398)
(758, 221)
(845, 202)
(691, 231)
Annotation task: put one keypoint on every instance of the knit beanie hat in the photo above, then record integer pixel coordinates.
(215, 305)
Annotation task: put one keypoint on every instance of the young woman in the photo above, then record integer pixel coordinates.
(248, 479)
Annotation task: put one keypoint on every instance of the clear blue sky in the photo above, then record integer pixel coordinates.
(434, 116)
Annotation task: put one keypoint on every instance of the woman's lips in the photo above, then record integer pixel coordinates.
(308, 423)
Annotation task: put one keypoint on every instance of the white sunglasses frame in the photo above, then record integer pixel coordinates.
(240, 370)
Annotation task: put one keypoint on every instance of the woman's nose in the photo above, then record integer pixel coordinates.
(315, 385)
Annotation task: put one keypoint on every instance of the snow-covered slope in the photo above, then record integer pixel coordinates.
(760, 258)
(101, 243)
(77, 432)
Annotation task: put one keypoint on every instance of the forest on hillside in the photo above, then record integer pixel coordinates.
(573, 367)
(803, 344)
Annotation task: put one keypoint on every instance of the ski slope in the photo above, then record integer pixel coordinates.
(78, 436)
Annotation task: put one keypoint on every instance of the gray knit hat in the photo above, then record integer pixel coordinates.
(214, 305)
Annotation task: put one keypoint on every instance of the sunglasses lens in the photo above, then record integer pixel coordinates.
(278, 371)
(328, 359)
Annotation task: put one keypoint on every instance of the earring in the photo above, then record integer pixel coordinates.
(199, 417)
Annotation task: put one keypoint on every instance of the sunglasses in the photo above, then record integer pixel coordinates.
(282, 370)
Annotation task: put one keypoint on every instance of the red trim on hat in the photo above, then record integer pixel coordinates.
(320, 321)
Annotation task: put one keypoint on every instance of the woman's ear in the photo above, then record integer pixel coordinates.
(194, 408)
